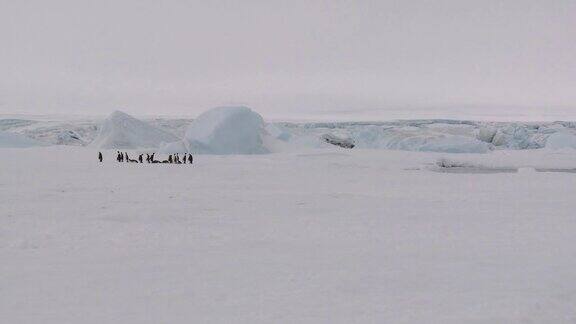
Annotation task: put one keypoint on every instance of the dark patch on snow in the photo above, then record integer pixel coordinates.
(338, 141)
(451, 166)
(564, 170)
(475, 170)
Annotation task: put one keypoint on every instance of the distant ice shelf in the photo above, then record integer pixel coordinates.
(240, 130)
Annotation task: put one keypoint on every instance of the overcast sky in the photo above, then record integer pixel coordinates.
(294, 58)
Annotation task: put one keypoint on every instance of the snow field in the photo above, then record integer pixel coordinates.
(317, 236)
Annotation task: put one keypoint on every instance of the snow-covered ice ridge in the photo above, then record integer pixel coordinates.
(442, 135)
(436, 135)
(78, 132)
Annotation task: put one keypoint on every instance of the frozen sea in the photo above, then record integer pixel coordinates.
(313, 236)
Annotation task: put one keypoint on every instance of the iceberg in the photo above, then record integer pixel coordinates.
(561, 140)
(122, 131)
(223, 130)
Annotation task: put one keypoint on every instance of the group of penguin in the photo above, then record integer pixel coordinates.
(172, 158)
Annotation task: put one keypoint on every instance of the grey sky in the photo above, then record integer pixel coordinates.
(287, 58)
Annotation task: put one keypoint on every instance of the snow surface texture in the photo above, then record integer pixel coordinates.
(122, 131)
(223, 130)
(317, 236)
(15, 140)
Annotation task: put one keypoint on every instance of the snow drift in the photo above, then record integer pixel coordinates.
(122, 131)
(10, 140)
(223, 130)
